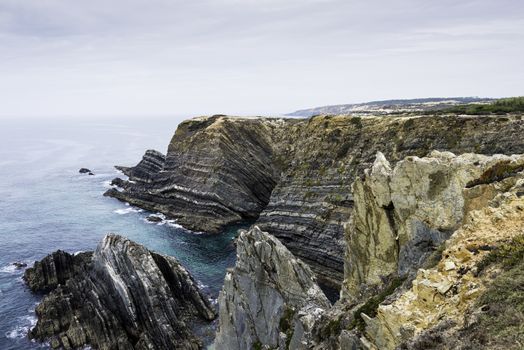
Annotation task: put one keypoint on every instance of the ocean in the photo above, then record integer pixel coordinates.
(45, 205)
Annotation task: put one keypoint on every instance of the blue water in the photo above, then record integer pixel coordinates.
(45, 205)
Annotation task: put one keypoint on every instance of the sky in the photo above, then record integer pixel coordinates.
(251, 57)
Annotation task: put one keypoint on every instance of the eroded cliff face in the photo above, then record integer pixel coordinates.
(460, 207)
(403, 215)
(122, 296)
(217, 171)
(270, 298)
(295, 175)
(425, 244)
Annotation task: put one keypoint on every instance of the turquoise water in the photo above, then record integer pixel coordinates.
(45, 205)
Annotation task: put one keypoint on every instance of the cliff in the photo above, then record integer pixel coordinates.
(294, 176)
(269, 298)
(122, 296)
(435, 252)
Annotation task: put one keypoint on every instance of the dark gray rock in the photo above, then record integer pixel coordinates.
(123, 297)
(85, 171)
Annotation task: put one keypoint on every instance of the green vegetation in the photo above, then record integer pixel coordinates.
(496, 173)
(357, 122)
(371, 305)
(507, 255)
(286, 324)
(501, 322)
(502, 106)
(257, 345)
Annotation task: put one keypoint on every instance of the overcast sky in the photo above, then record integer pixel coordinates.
(161, 57)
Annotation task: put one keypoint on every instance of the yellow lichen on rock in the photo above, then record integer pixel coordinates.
(447, 291)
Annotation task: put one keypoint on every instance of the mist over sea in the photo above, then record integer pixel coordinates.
(45, 205)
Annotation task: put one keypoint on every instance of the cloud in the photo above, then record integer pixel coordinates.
(251, 57)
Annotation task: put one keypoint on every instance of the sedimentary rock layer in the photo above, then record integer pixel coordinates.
(430, 221)
(312, 202)
(295, 175)
(269, 299)
(122, 296)
(217, 171)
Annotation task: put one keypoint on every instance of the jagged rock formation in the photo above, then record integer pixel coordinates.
(55, 269)
(152, 163)
(269, 299)
(313, 201)
(403, 215)
(217, 171)
(467, 205)
(295, 175)
(122, 296)
(432, 221)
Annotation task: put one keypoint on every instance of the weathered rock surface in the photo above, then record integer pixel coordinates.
(295, 175)
(122, 296)
(152, 163)
(270, 299)
(403, 215)
(217, 171)
(55, 269)
(446, 294)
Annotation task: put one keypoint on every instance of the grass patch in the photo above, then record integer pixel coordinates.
(496, 173)
(506, 254)
(502, 106)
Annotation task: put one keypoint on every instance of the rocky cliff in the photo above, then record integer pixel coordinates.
(435, 254)
(217, 171)
(294, 176)
(269, 299)
(122, 296)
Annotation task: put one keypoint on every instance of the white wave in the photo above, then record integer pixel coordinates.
(107, 184)
(9, 269)
(78, 252)
(127, 211)
(12, 269)
(26, 323)
(172, 223)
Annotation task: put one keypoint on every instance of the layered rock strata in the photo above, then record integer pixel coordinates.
(122, 296)
(430, 222)
(295, 175)
(217, 171)
(270, 299)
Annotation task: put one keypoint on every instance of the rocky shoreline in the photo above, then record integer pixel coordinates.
(121, 296)
(419, 221)
(293, 176)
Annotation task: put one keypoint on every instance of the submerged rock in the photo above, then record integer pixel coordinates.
(19, 265)
(122, 296)
(85, 171)
(154, 218)
(269, 299)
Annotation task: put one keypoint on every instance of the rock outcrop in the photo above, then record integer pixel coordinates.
(403, 215)
(217, 171)
(422, 240)
(270, 298)
(152, 163)
(122, 296)
(452, 210)
(55, 269)
(294, 176)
